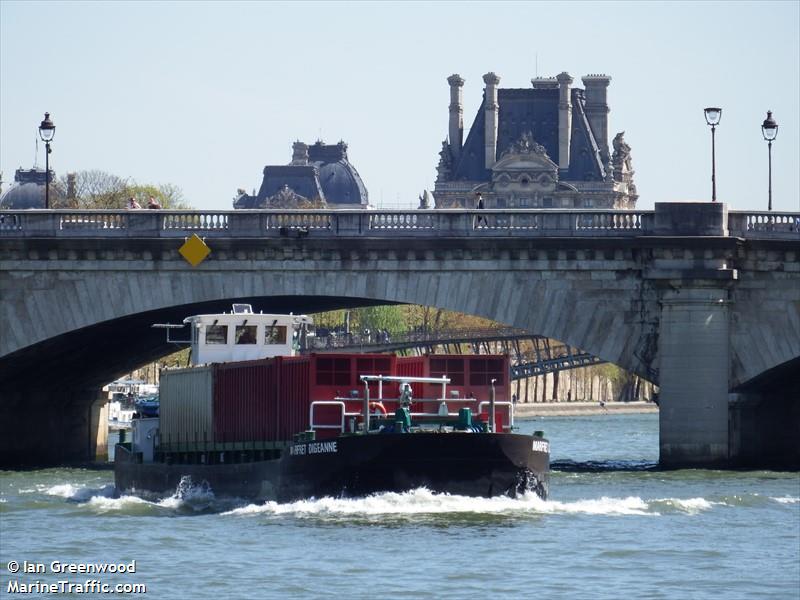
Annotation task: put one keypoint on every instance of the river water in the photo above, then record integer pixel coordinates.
(613, 528)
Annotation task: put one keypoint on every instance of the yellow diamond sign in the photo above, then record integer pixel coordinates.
(194, 250)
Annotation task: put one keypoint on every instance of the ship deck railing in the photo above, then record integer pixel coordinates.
(425, 417)
(198, 443)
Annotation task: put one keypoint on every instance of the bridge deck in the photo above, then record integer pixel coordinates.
(372, 223)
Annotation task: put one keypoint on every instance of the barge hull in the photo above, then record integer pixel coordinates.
(470, 464)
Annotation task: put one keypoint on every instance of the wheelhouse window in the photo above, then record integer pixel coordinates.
(216, 334)
(275, 335)
(245, 334)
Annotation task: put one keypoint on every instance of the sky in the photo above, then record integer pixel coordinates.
(204, 95)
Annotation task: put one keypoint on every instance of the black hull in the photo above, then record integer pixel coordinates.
(470, 464)
(256, 480)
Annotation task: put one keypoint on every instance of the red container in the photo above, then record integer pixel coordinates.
(264, 400)
(337, 375)
(245, 401)
(294, 398)
(411, 366)
(470, 375)
(269, 400)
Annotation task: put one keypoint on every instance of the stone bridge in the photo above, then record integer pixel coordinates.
(699, 300)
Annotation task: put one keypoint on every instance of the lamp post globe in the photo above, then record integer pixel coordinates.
(769, 129)
(47, 131)
(713, 117)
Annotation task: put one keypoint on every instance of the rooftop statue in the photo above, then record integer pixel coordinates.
(622, 152)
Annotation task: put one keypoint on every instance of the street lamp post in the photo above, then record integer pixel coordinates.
(713, 117)
(47, 131)
(769, 129)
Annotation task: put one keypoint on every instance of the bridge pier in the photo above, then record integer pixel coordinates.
(52, 427)
(693, 373)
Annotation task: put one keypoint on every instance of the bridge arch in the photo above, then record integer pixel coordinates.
(75, 343)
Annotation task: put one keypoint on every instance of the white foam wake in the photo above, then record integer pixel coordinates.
(104, 504)
(423, 502)
(78, 493)
(787, 500)
(188, 496)
(101, 499)
(691, 506)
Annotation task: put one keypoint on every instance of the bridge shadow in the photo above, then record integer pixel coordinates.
(590, 466)
(93, 356)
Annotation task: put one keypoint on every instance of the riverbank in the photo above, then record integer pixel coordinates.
(573, 409)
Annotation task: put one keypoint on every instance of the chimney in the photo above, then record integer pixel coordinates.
(544, 83)
(456, 130)
(564, 119)
(492, 114)
(597, 110)
(299, 153)
(71, 189)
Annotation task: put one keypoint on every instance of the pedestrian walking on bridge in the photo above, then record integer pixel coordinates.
(480, 218)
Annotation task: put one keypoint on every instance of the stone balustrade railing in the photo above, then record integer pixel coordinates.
(781, 225)
(371, 223)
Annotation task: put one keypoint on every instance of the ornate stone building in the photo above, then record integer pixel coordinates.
(541, 147)
(319, 176)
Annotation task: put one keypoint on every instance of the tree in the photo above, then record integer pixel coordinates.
(433, 319)
(378, 318)
(620, 379)
(330, 319)
(95, 189)
(167, 195)
(401, 318)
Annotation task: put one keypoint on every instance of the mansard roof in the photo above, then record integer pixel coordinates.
(302, 179)
(584, 154)
(471, 164)
(536, 111)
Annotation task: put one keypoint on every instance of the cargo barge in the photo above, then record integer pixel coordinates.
(253, 419)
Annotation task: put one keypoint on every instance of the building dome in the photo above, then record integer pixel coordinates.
(339, 179)
(28, 190)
